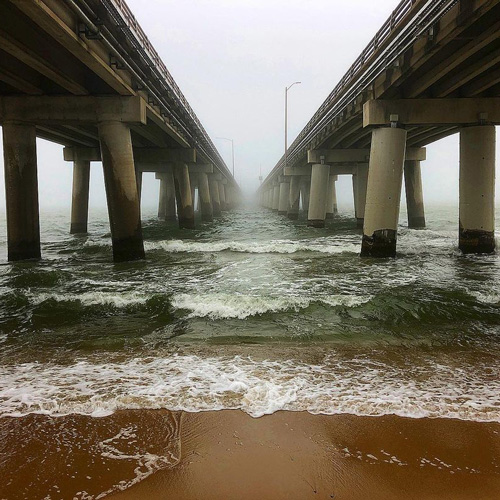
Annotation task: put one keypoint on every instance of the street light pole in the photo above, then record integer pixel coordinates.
(232, 148)
(286, 118)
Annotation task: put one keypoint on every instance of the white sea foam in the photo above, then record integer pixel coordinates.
(486, 298)
(116, 299)
(194, 383)
(322, 245)
(224, 305)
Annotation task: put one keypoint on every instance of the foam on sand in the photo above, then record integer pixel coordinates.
(336, 384)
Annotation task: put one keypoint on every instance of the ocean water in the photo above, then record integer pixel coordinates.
(251, 312)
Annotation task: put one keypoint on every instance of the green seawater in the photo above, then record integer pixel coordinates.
(252, 311)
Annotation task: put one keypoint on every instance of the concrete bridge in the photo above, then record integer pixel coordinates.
(432, 70)
(83, 74)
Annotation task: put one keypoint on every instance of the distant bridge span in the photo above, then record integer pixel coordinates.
(432, 70)
(82, 73)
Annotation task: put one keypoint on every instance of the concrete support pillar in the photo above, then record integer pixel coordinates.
(276, 197)
(214, 196)
(385, 177)
(166, 205)
(80, 196)
(162, 199)
(206, 208)
(318, 195)
(294, 198)
(414, 194)
(229, 199)
(222, 196)
(477, 189)
(193, 191)
(305, 189)
(331, 200)
(121, 191)
(183, 196)
(138, 178)
(361, 180)
(355, 193)
(284, 194)
(21, 191)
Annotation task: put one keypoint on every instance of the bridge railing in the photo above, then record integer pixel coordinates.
(193, 126)
(409, 19)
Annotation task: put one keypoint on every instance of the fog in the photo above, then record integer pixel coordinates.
(232, 60)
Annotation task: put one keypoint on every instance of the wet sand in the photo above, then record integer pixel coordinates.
(156, 454)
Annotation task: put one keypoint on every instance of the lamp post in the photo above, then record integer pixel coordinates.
(232, 148)
(286, 117)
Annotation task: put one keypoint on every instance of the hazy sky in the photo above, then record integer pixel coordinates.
(232, 60)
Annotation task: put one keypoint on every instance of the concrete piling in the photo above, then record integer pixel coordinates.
(276, 197)
(331, 200)
(385, 178)
(477, 189)
(222, 196)
(284, 194)
(294, 198)
(121, 191)
(21, 191)
(205, 200)
(318, 195)
(414, 195)
(80, 196)
(214, 196)
(183, 196)
(361, 180)
(305, 189)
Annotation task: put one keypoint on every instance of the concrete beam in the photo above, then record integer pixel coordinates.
(314, 156)
(460, 111)
(149, 156)
(297, 170)
(201, 168)
(72, 109)
(84, 154)
(164, 155)
(356, 156)
(194, 168)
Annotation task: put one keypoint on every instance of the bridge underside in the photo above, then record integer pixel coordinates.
(433, 70)
(84, 75)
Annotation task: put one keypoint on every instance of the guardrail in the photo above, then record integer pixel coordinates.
(409, 20)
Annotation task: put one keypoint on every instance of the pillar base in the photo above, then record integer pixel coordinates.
(381, 243)
(292, 215)
(316, 223)
(282, 212)
(329, 215)
(128, 249)
(360, 223)
(416, 222)
(206, 212)
(476, 241)
(78, 228)
(27, 250)
(186, 223)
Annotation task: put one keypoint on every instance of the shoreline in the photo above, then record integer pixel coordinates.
(225, 454)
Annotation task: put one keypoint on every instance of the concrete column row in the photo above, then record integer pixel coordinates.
(377, 192)
(477, 191)
(122, 184)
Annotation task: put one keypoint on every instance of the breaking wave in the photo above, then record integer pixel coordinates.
(355, 385)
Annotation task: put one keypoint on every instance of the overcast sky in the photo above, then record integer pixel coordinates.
(232, 60)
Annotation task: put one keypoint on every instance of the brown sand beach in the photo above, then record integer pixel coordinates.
(227, 454)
